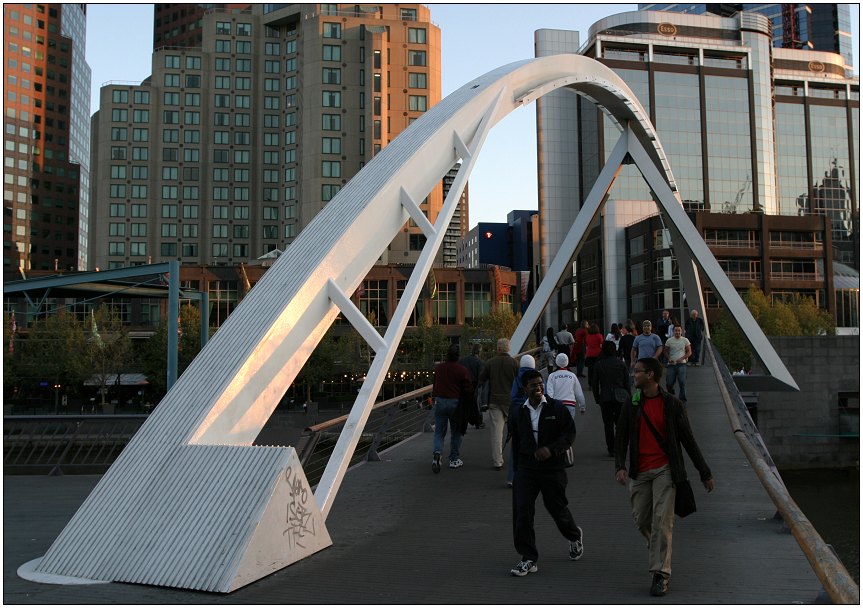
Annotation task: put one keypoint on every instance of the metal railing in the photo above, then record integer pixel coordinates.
(65, 444)
(829, 569)
(389, 423)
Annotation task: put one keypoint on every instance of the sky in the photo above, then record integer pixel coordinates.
(475, 39)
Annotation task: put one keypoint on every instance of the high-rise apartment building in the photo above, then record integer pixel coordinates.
(230, 148)
(182, 24)
(816, 26)
(458, 224)
(46, 155)
(749, 130)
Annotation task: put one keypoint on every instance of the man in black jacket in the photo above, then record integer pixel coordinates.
(542, 430)
(652, 428)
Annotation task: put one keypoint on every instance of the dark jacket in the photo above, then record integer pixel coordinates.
(556, 432)
(608, 373)
(677, 433)
(624, 349)
(694, 329)
(499, 372)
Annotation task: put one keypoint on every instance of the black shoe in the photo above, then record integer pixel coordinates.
(436, 462)
(659, 586)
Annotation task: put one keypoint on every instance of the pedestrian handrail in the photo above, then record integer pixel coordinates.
(829, 569)
(58, 444)
(390, 421)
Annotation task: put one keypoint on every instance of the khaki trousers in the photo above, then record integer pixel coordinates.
(497, 418)
(652, 497)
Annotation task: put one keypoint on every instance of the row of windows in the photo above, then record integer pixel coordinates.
(268, 213)
(118, 248)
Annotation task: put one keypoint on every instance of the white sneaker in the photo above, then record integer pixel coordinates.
(454, 464)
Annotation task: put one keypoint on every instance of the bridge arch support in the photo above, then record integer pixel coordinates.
(190, 502)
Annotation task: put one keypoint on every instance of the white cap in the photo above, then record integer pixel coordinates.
(561, 360)
(527, 361)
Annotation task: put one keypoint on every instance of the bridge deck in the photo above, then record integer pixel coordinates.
(404, 535)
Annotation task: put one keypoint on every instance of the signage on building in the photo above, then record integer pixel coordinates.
(667, 29)
(816, 66)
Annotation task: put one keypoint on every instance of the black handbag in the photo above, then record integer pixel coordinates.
(684, 497)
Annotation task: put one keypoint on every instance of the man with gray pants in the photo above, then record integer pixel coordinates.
(499, 372)
(653, 428)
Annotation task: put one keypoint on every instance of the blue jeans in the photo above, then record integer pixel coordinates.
(444, 411)
(676, 371)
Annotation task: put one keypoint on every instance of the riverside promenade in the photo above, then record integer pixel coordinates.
(403, 535)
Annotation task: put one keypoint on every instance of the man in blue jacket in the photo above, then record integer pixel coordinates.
(542, 430)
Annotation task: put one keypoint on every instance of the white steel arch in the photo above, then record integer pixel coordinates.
(190, 502)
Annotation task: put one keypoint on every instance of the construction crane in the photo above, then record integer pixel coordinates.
(790, 27)
(731, 207)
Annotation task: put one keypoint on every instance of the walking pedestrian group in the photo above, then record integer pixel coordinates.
(645, 425)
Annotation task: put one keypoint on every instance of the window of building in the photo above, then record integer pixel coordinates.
(332, 75)
(477, 301)
(374, 302)
(169, 230)
(223, 28)
(416, 58)
(220, 250)
(408, 14)
(271, 48)
(331, 145)
(190, 230)
(417, 103)
(328, 191)
(244, 29)
(332, 52)
(331, 122)
(417, 80)
(331, 168)
(332, 30)
(120, 96)
(417, 35)
(220, 231)
(331, 99)
(443, 305)
(139, 229)
(142, 97)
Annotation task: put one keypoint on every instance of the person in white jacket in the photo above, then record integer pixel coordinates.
(564, 386)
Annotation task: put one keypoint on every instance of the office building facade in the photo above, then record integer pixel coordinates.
(749, 130)
(230, 148)
(814, 27)
(46, 140)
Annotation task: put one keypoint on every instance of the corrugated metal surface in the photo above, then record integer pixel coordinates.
(185, 525)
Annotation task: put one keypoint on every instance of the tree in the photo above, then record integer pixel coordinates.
(154, 354)
(319, 366)
(801, 317)
(10, 343)
(109, 351)
(55, 352)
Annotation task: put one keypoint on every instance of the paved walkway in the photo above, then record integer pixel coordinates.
(403, 535)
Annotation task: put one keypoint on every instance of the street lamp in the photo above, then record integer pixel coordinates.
(56, 397)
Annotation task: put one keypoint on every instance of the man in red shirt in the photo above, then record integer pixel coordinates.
(577, 353)
(451, 383)
(652, 429)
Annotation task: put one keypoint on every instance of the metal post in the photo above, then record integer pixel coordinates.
(173, 325)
